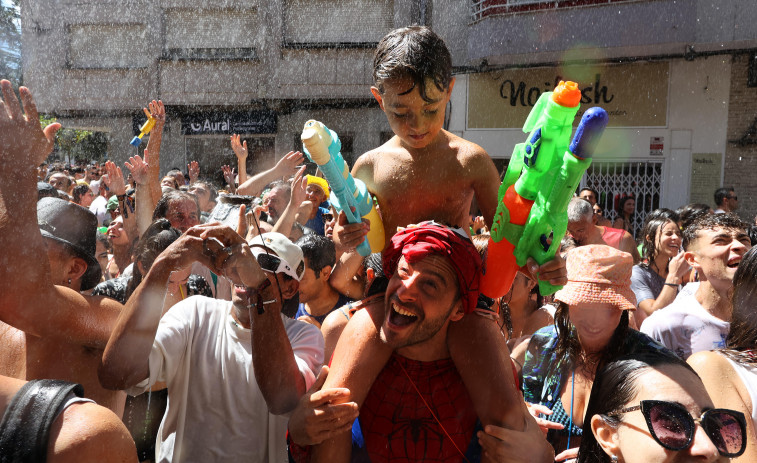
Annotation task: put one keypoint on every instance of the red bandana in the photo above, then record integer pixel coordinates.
(416, 242)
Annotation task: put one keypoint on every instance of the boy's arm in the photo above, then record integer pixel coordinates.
(286, 166)
(342, 277)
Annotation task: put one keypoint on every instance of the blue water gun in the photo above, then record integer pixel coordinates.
(322, 146)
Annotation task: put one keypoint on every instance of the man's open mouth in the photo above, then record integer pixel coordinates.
(399, 316)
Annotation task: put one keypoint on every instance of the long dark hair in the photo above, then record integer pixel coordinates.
(569, 347)
(158, 236)
(614, 386)
(742, 337)
(653, 224)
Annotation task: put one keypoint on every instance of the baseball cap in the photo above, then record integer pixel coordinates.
(289, 253)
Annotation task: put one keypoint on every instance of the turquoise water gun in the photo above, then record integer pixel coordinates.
(541, 178)
(322, 146)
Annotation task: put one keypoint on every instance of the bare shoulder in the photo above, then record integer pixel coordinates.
(709, 363)
(467, 151)
(87, 432)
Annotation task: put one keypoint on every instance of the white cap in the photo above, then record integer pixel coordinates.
(288, 252)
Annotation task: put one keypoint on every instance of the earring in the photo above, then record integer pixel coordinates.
(613, 458)
(69, 282)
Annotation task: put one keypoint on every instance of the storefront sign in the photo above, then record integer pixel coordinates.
(656, 146)
(634, 95)
(240, 122)
(705, 176)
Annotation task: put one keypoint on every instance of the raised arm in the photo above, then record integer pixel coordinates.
(27, 293)
(158, 111)
(142, 196)
(240, 150)
(288, 217)
(118, 188)
(286, 166)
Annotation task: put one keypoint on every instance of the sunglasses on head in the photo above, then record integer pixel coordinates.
(673, 427)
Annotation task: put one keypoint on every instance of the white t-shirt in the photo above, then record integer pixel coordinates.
(685, 327)
(748, 375)
(216, 411)
(99, 208)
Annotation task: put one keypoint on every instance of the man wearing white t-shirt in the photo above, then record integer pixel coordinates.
(700, 320)
(230, 367)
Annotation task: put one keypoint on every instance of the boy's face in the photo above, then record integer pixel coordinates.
(414, 120)
(716, 253)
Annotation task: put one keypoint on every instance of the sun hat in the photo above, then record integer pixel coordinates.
(75, 226)
(416, 242)
(598, 273)
(288, 252)
(321, 182)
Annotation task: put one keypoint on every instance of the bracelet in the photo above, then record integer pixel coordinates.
(671, 284)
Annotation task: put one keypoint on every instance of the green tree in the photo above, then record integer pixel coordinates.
(10, 42)
(77, 145)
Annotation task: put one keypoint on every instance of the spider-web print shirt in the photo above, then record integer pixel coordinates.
(396, 423)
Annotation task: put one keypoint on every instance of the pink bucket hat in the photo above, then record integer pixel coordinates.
(598, 273)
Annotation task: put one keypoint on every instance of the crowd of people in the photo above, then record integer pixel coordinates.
(141, 320)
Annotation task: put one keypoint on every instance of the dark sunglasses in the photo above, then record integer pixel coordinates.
(733, 197)
(327, 217)
(269, 262)
(673, 427)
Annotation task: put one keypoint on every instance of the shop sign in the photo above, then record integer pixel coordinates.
(656, 146)
(634, 95)
(222, 122)
(705, 176)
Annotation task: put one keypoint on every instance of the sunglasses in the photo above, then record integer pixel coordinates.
(732, 197)
(275, 264)
(673, 427)
(327, 217)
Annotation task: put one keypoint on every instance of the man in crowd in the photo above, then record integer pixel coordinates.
(582, 229)
(699, 320)
(726, 200)
(226, 364)
(317, 297)
(435, 272)
(591, 195)
(206, 195)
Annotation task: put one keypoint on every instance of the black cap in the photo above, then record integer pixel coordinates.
(74, 226)
(44, 190)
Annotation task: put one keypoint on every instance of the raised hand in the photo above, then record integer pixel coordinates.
(138, 168)
(23, 142)
(158, 111)
(240, 149)
(193, 169)
(116, 176)
(228, 176)
(299, 187)
(289, 164)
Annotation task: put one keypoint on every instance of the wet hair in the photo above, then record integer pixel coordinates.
(78, 192)
(380, 281)
(615, 385)
(415, 52)
(752, 232)
(569, 347)
(743, 332)
(721, 194)
(158, 236)
(688, 213)
(579, 209)
(652, 225)
(164, 203)
(319, 252)
(211, 189)
(726, 221)
(280, 185)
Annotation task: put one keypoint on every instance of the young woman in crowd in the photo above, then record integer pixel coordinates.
(656, 279)
(626, 211)
(653, 408)
(591, 328)
(730, 375)
(83, 195)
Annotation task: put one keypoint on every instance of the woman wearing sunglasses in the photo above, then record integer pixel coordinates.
(730, 375)
(591, 328)
(653, 408)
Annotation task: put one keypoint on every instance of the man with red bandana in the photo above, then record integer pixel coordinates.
(418, 408)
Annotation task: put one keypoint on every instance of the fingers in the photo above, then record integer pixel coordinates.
(553, 270)
(30, 108)
(242, 222)
(12, 107)
(535, 409)
(567, 455)
(320, 379)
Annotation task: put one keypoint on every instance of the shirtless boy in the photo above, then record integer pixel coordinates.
(426, 173)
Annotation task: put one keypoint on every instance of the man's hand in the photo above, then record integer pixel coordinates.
(299, 188)
(505, 445)
(553, 271)
(228, 176)
(138, 168)
(193, 169)
(289, 164)
(321, 415)
(350, 235)
(116, 176)
(23, 142)
(240, 149)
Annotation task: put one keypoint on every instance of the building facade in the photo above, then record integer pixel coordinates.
(676, 76)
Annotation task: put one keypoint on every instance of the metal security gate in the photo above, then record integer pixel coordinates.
(613, 180)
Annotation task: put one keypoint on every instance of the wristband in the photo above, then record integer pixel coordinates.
(671, 284)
